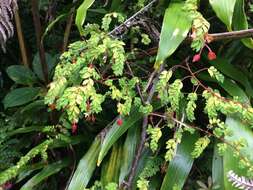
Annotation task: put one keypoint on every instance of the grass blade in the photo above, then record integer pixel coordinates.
(85, 167)
(181, 165)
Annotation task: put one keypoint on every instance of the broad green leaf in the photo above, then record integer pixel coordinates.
(85, 167)
(21, 74)
(51, 62)
(129, 150)
(81, 14)
(240, 22)
(20, 96)
(234, 73)
(34, 106)
(45, 173)
(28, 170)
(116, 131)
(111, 167)
(217, 170)
(180, 167)
(224, 10)
(230, 162)
(176, 24)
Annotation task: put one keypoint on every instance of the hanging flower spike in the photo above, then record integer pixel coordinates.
(119, 122)
(74, 128)
(196, 58)
(211, 55)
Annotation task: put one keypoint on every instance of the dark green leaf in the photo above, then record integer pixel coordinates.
(51, 62)
(21, 75)
(20, 96)
(45, 173)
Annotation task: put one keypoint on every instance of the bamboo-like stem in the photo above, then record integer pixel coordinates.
(67, 29)
(21, 40)
(40, 45)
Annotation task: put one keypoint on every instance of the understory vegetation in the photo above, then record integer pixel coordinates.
(120, 94)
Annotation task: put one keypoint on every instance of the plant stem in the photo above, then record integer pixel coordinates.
(129, 183)
(230, 35)
(67, 29)
(21, 39)
(40, 46)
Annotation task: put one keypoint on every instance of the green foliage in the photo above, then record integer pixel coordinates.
(155, 135)
(107, 84)
(171, 145)
(175, 94)
(200, 25)
(150, 169)
(200, 146)
(14, 170)
(213, 72)
(106, 21)
(191, 106)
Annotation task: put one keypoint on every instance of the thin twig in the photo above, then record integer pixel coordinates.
(129, 183)
(137, 85)
(128, 22)
(68, 29)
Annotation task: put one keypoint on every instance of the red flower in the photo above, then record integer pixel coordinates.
(211, 55)
(196, 58)
(7, 185)
(74, 127)
(119, 122)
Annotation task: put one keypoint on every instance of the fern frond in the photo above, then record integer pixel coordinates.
(240, 182)
(7, 8)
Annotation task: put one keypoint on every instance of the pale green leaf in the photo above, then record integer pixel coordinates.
(224, 10)
(81, 14)
(85, 167)
(176, 24)
(240, 22)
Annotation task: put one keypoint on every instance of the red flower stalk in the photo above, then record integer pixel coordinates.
(74, 128)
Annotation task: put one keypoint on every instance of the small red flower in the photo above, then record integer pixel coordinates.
(74, 127)
(196, 58)
(7, 185)
(211, 55)
(119, 122)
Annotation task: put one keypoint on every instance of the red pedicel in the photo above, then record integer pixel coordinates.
(74, 127)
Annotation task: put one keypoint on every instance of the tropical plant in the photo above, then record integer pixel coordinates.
(124, 106)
